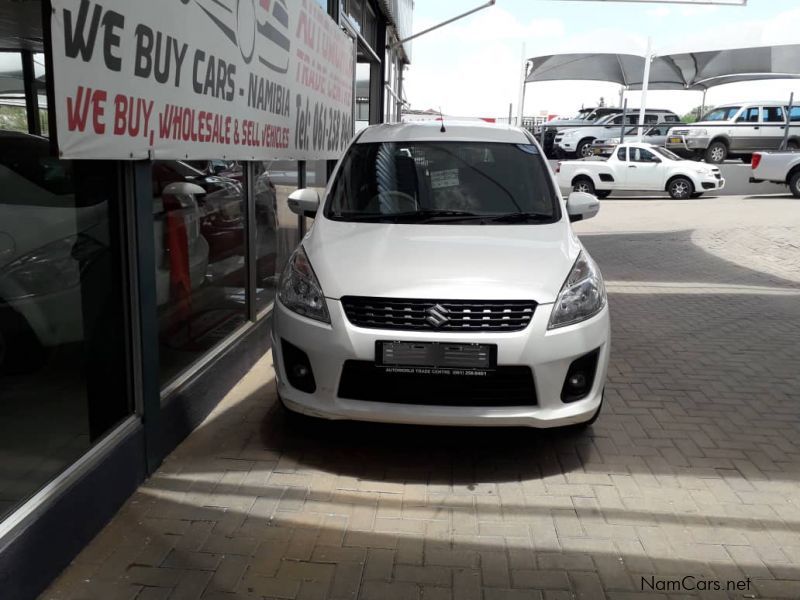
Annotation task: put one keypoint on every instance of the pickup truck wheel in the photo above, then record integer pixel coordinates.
(584, 185)
(793, 146)
(716, 153)
(584, 149)
(602, 194)
(680, 188)
(794, 184)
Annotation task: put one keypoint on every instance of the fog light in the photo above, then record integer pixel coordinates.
(298, 368)
(580, 377)
(578, 381)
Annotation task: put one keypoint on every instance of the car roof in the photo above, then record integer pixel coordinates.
(751, 103)
(455, 131)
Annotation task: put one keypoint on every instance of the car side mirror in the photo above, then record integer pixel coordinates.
(184, 191)
(582, 206)
(304, 202)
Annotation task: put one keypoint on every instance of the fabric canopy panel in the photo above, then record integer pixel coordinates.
(687, 71)
(703, 70)
(624, 69)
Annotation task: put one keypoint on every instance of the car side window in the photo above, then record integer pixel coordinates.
(650, 119)
(622, 154)
(642, 156)
(794, 114)
(773, 114)
(749, 115)
(671, 119)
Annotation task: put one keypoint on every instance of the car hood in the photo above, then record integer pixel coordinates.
(563, 122)
(24, 228)
(475, 262)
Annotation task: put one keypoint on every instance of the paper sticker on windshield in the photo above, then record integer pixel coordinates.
(444, 179)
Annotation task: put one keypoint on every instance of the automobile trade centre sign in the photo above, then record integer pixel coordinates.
(234, 79)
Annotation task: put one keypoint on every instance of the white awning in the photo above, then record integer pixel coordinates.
(686, 71)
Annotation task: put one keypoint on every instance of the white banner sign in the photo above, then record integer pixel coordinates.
(233, 79)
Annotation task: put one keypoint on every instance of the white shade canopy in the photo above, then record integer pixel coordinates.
(686, 71)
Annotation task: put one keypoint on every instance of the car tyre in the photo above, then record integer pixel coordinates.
(583, 184)
(680, 188)
(602, 194)
(20, 350)
(794, 184)
(716, 153)
(793, 146)
(584, 149)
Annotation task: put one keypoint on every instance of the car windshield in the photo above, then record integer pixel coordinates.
(607, 119)
(584, 115)
(666, 153)
(721, 114)
(443, 182)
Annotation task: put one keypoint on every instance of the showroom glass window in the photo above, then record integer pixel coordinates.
(277, 230)
(62, 341)
(199, 222)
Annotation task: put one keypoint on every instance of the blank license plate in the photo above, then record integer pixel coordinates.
(675, 140)
(440, 355)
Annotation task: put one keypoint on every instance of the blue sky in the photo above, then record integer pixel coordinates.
(471, 67)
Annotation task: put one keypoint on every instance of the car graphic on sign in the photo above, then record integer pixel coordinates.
(259, 28)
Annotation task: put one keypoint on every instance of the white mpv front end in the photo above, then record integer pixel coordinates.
(441, 283)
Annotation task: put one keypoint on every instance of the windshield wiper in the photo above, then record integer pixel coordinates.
(413, 216)
(518, 217)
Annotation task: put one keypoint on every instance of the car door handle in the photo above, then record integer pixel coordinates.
(632, 166)
(757, 127)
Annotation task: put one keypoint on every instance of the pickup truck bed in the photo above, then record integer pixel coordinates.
(777, 167)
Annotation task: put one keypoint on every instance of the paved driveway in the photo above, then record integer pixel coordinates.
(690, 479)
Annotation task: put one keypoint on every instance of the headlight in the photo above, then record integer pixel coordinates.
(51, 268)
(613, 141)
(583, 294)
(569, 134)
(697, 132)
(300, 291)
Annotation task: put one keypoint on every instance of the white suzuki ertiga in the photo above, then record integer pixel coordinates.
(441, 283)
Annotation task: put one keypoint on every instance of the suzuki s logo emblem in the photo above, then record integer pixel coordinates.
(437, 315)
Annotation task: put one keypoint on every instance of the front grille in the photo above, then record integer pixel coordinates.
(679, 132)
(438, 315)
(503, 386)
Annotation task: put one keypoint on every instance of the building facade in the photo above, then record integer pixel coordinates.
(137, 276)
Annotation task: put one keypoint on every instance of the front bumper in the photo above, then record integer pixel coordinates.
(711, 183)
(548, 354)
(685, 143)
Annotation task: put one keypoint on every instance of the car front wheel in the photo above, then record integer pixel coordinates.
(584, 149)
(794, 184)
(680, 188)
(716, 153)
(583, 185)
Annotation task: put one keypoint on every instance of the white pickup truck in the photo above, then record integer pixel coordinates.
(639, 167)
(777, 167)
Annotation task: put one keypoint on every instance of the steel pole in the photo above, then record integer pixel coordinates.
(648, 58)
(785, 142)
(522, 83)
(624, 123)
(703, 105)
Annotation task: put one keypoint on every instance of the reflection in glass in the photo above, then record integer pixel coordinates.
(276, 226)
(199, 226)
(62, 375)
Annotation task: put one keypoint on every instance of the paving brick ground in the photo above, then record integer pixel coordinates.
(693, 470)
